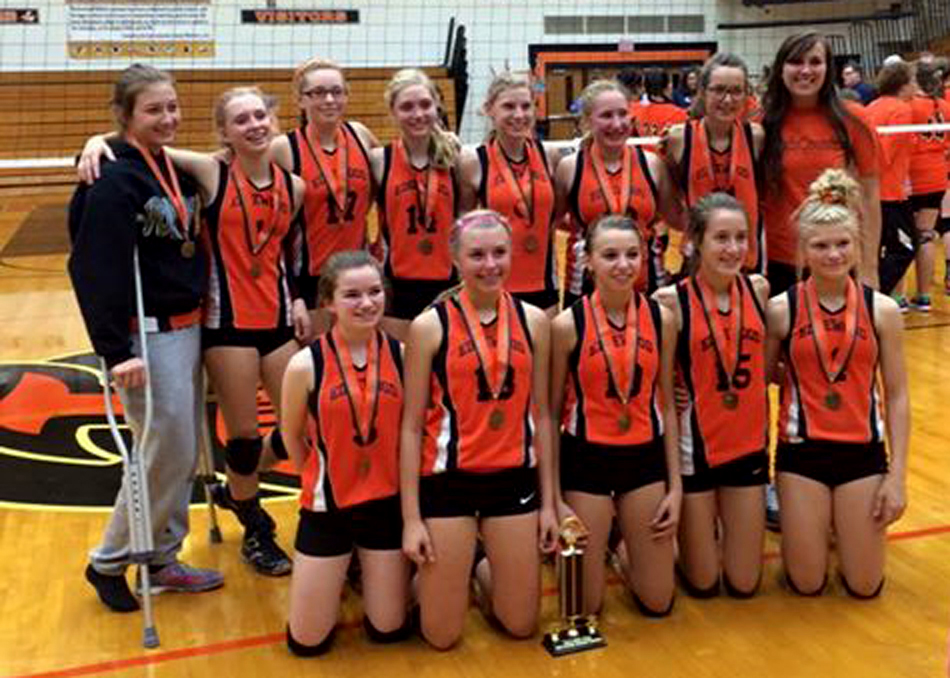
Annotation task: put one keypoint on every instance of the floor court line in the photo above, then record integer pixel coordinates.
(162, 657)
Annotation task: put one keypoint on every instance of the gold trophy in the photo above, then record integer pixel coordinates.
(576, 632)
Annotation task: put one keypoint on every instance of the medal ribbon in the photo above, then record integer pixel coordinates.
(426, 190)
(336, 179)
(600, 171)
(702, 140)
(620, 376)
(255, 243)
(707, 299)
(525, 199)
(364, 402)
(174, 190)
(499, 358)
(830, 367)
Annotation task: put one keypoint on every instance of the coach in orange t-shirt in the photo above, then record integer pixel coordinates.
(807, 130)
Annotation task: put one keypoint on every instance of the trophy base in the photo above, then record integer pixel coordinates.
(577, 636)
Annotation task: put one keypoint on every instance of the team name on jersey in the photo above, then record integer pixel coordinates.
(618, 341)
(468, 346)
(412, 186)
(831, 325)
(258, 200)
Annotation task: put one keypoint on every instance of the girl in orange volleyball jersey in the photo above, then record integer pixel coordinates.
(841, 344)
(612, 379)
(418, 196)
(475, 435)
(718, 149)
(928, 171)
(512, 174)
(344, 392)
(719, 313)
(607, 176)
(895, 86)
(330, 154)
(253, 313)
(808, 129)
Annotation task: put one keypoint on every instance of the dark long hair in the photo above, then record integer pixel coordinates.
(777, 101)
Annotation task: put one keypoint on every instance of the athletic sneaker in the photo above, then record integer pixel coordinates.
(902, 303)
(260, 550)
(181, 578)
(921, 303)
(772, 509)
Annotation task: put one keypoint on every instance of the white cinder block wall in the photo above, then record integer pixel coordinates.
(408, 32)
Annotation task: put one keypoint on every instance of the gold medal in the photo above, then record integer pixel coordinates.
(256, 269)
(730, 400)
(624, 422)
(530, 244)
(833, 400)
(496, 420)
(188, 249)
(365, 465)
(425, 247)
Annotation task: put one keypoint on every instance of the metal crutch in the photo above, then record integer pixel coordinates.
(206, 474)
(135, 478)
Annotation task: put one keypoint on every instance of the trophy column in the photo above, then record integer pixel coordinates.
(576, 631)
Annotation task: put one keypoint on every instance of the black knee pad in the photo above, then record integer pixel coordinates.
(386, 637)
(242, 455)
(277, 445)
(741, 594)
(861, 596)
(807, 594)
(694, 591)
(649, 611)
(302, 650)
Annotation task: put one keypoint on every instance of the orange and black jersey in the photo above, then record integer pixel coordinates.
(248, 286)
(704, 170)
(804, 413)
(587, 204)
(328, 228)
(414, 224)
(711, 433)
(593, 408)
(457, 434)
(531, 238)
(341, 471)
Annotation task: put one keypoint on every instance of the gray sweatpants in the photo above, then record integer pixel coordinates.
(171, 452)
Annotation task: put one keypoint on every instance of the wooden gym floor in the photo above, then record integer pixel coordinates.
(52, 625)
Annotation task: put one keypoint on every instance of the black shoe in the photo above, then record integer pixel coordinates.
(246, 510)
(113, 590)
(260, 550)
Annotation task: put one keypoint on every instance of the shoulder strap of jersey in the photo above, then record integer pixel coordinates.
(792, 296)
(293, 138)
(750, 288)
(682, 344)
(316, 354)
(224, 176)
(645, 168)
(395, 350)
(348, 129)
(657, 319)
(483, 182)
(387, 168)
(573, 196)
(869, 305)
(685, 164)
(750, 142)
(523, 318)
(289, 183)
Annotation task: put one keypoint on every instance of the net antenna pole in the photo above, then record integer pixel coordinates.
(135, 477)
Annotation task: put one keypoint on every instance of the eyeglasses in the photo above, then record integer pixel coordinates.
(322, 92)
(720, 92)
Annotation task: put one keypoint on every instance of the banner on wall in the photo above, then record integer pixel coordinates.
(19, 16)
(102, 29)
(300, 16)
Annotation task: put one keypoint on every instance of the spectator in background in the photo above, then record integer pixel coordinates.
(852, 78)
(689, 85)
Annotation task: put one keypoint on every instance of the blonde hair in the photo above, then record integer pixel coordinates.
(443, 149)
(589, 96)
(502, 82)
(833, 200)
(270, 103)
(475, 219)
